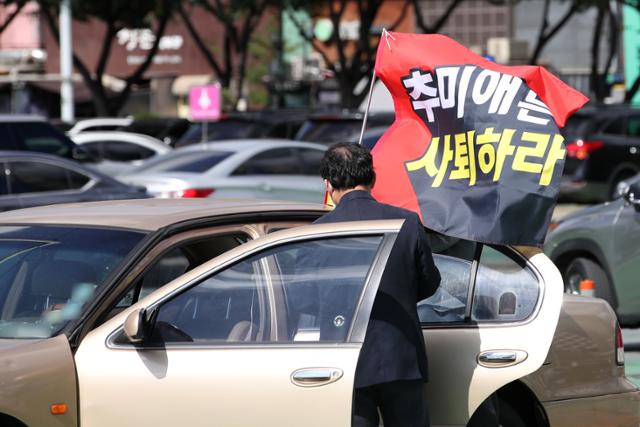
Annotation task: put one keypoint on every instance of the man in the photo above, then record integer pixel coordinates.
(392, 367)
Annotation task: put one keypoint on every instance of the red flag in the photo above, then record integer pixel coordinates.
(496, 154)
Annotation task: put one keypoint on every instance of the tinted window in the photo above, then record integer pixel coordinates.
(321, 282)
(33, 177)
(94, 149)
(331, 131)
(278, 161)
(41, 137)
(77, 180)
(3, 180)
(633, 127)
(120, 151)
(186, 161)
(310, 160)
(506, 290)
(616, 127)
(216, 131)
(48, 274)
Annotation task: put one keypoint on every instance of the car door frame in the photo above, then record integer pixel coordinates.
(154, 246)
(102, 338)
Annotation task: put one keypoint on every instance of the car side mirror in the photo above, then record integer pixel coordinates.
(136, 325)
(633, 194)
(83, 155)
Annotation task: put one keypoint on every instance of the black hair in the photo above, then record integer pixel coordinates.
(346, 166)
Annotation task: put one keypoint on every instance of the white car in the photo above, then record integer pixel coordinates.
(99, 124)
(254, 168)
(118, 152)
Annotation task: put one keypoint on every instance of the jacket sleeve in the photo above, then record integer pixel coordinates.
(429, 276)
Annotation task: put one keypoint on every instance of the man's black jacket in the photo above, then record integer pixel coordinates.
(393, 348)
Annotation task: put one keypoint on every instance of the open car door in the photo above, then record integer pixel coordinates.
(490, 323)
(267, 334)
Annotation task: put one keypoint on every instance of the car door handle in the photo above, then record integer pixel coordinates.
(314, 377)
(501, 358)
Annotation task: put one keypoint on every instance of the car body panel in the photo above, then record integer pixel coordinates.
(449, 403)
(222, 177)
(218, 394)
(585, 342)
(52, 382)
(609, 234)
(602, 411)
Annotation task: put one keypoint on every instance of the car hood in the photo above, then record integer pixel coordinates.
(593, 211)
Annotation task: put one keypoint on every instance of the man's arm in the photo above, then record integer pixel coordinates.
(426, 266)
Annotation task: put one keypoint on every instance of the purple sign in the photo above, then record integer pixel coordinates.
(204, 102)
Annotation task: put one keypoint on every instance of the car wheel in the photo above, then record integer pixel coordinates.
(509, 417)
(584, 268)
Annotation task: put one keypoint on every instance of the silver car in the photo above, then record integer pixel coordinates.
(600, 245)
(248, 169)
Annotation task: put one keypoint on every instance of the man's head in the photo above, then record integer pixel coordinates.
(347, 167)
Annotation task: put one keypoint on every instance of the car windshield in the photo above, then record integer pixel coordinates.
(330, 131)
(48, 274)
(187, 161)
(217, 131)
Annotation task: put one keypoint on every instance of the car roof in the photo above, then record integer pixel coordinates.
(8, 118)
(98, 135)
(147, 214)
(243, 144)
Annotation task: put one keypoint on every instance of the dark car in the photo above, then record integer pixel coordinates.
(270, 124)
(34, 179)
(329, 128)
(34, 133)
(603, 149)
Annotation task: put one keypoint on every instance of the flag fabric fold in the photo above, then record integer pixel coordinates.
(475, 148)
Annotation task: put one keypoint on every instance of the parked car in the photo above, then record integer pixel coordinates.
(100, 123)
(35, 179)
(263, 169)
(79, 280)
(600, 243)
(116, 152)
(167, 129)
(281, 124)
(34, 133)
(329, 128)
(603, 149)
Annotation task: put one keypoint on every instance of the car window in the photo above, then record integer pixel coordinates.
(48, 274)
(34, 177)
(185, 256)
(633, 127)
(320, 282)
(615, 127)
(449, 302)
(41, 137)
(310, 160)
(277, 161)
(121, 151)
(94, 149)
(77, 180)
(4, 190)
(184, 161)
(506, 290)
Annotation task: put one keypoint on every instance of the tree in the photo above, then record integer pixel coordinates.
(439, 22)
(239, 19)
(548, 30)
(355, 58)
(115, 15)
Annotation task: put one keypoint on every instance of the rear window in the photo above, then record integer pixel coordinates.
(188, 161)
(217, 131)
